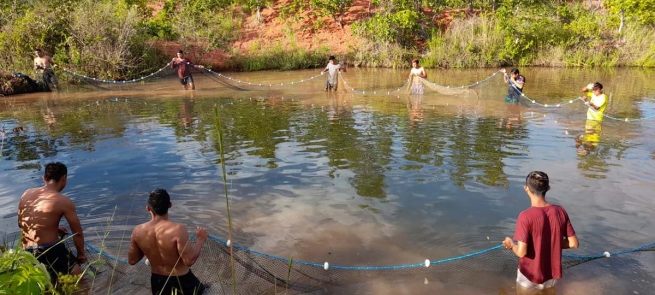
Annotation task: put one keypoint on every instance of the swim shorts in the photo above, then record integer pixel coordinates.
(416, 89)
(511, 99)
(187, 79)
(49, 76)
(187, 284)
(524, 282)
(55, 256)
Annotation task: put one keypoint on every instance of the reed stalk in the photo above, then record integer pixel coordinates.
(219, 132)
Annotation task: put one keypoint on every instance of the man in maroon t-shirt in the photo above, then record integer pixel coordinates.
(542, 231)
(184, 69)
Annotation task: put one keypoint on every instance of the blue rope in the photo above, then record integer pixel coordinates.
(389, 267)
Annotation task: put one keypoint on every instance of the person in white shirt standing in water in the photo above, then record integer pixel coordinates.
(333, 70)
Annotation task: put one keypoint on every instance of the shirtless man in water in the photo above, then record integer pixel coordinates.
(167, 247)
(417, 71)
(44, 64)
(39, 212)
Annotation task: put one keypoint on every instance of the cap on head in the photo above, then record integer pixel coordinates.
(415, 60)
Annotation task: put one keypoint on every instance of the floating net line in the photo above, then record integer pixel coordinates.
(261, 273)
(406, 88)
(116, 81)
(571, 101)
(263, 84)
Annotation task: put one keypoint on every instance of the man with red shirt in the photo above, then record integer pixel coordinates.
(184, 69)
(542, 231)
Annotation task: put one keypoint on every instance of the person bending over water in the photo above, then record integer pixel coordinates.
(39, 212)
(168, 249)
(184, 65)
(417, 71)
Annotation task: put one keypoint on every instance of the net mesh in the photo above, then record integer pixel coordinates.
(260, 273)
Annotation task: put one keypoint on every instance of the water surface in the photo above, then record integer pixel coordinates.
(349, 178)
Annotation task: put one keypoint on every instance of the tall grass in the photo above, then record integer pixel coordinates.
(467, 43)
(278, 58)
(219, 132)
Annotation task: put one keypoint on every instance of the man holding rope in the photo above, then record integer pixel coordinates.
(44, 64)
(184, 69)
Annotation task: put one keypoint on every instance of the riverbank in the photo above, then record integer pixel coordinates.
(291, 34)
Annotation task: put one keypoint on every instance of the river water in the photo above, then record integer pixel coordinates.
(350, 178)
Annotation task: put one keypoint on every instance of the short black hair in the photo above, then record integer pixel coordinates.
(537, 182)
(515, 71)
(37, 50)
(597, 85)
(158, 201)
(55, 171)
(181, 52)
(331, 57)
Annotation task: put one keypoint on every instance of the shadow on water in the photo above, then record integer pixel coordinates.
(358, 179)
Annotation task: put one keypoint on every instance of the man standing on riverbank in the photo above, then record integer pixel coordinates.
(167, 248)
(44, 64)
(184, 66)
(39, 213)
(542, 231)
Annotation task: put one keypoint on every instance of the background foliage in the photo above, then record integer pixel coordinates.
(113, 39)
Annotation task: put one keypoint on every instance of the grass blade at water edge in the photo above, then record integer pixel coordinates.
(219, 131)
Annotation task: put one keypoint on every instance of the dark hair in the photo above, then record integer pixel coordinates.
(181, 52)
(331, 57)
(537, 182)
(55, 171)
(158, 201)
(515, 71)
(37, 50)
(598, 86)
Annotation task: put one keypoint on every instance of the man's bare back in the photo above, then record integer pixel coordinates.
(168, 249)
(162, 242)
(39, 212)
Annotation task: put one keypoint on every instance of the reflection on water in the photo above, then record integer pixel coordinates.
(353, 179)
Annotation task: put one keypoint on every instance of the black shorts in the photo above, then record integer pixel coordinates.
(57, 258)
(187, 284)
(187, 79)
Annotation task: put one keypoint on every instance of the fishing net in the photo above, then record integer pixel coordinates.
(259, 273)
(151, 81)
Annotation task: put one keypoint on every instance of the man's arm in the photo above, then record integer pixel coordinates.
(189, 253)
(52, 62)
(76, 228)
(570, 243)
(135, 254)
(520, 249)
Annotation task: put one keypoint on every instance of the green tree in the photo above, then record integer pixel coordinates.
(333, 8)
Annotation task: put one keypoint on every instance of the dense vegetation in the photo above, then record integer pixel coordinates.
(113, 39)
